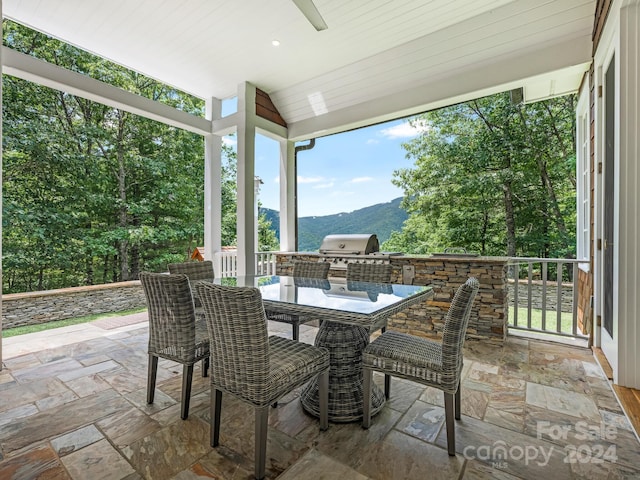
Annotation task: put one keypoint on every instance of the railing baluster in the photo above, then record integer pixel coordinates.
(516, 299)
(559, 265)
(543, 268)
(529, 292)
(574, 301)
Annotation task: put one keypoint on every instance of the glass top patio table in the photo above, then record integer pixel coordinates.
(362, 304)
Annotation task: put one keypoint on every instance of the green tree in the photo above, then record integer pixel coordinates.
(492, 177)
(94, 194)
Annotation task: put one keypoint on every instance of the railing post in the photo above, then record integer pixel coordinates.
(559, 267)
(516, 298)
(529, 290)
(574, 301)
(543, 268)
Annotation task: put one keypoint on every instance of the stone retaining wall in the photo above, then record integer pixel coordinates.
(489, 315)
(32, 308)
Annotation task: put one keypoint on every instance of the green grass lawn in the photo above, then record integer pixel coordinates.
(566, 319)
(12, 332)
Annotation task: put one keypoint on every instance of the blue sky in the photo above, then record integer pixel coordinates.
(343, 172)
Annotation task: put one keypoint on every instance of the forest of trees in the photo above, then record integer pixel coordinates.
(493, 177)
(94, 194)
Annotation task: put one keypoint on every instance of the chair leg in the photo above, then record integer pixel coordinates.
(367, 374)
(214, 413)
(295, 331)
(387, 386)
(205, 366)
(151, 377)
(323, 394)
(187, 377)
(458, 402)
(451, 430)
(262, 420)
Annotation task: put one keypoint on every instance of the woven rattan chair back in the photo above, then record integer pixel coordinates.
(194, 270)
(455, 327)
(311, 269)
(369, 272)
(173, 330)
(197, 272)
(301, 269)
(252, 366)
(239, 341)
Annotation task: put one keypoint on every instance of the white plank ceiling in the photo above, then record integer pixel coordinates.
(378, 59)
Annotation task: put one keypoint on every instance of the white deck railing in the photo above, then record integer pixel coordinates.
(226, 263)
(543, 295)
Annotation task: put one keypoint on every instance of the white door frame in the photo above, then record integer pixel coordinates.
(604, 55)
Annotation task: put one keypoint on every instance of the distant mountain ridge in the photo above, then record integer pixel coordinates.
(381, 219)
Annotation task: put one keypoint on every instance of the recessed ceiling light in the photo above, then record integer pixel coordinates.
(275, 43)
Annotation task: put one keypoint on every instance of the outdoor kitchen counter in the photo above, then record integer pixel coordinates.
(445, 273)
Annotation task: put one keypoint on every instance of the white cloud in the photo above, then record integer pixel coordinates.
(372, 141)
(404, 130)
(361, 180)
(230, 141)
(311, 179)
(324, 185)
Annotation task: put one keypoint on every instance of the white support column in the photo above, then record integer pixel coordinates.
(627, 297)
(246, 231)
(287, 196)
(212, 185)
(1, 358)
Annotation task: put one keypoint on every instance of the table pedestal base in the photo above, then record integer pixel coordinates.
(345, 344)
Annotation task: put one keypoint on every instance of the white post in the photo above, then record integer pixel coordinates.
(246, 172)
(257, 181)
(628, 247)
(212, 186)
(288, 198)
(1, 283)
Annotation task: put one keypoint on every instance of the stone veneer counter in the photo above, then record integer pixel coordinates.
(488, 320)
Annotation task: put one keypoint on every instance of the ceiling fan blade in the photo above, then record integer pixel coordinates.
(310, 11)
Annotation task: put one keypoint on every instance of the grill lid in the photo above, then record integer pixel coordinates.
(355, 243)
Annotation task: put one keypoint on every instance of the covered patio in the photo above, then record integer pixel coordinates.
(76, 409)
(73, 402)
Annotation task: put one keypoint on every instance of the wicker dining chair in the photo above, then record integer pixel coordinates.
(318, 270)
(375, 273)
(174, 333)
(196, 271)
(256, 368)
(432, 363)
(369, 272)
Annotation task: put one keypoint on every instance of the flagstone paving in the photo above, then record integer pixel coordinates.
(73, 406)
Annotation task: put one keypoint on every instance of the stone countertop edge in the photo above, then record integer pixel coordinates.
(439, 258)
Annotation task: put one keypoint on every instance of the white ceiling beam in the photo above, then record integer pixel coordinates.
(38, 71)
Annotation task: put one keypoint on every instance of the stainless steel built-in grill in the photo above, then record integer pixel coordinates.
(350, 244)
(343, 249)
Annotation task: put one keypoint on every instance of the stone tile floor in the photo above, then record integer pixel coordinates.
(72, 406)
